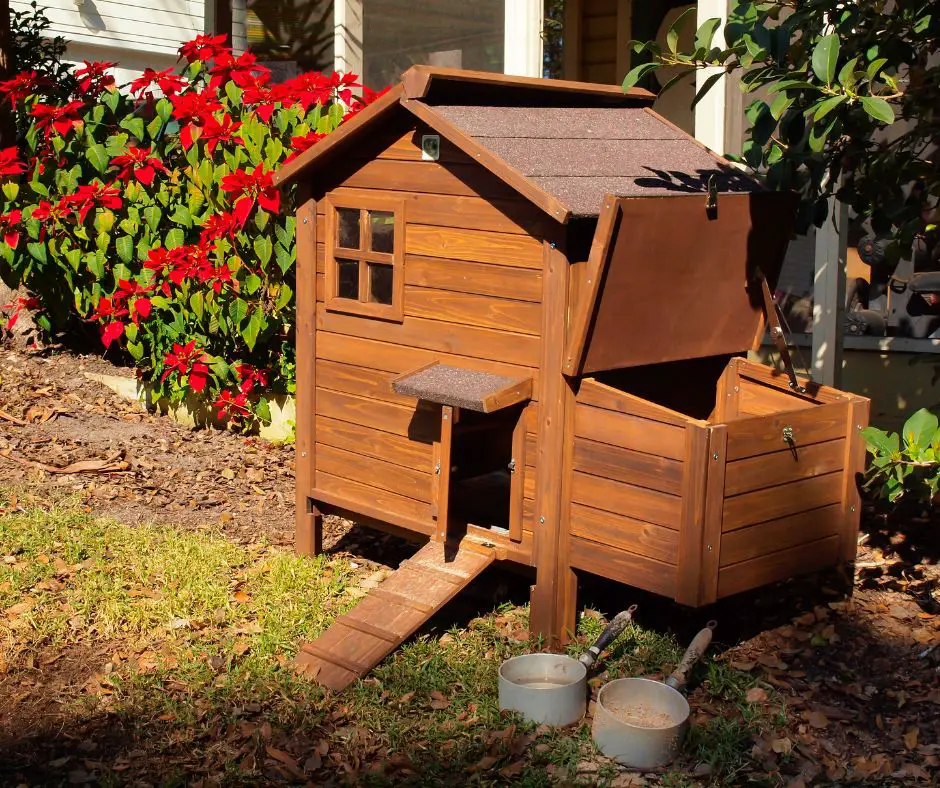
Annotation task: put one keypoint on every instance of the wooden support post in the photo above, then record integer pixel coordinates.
(571, 48)
(714, 504)
(854, 463)
(440, 491)
(692, 516)
(554, 595)
(308, 539)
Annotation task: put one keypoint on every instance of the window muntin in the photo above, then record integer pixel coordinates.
(365, 253)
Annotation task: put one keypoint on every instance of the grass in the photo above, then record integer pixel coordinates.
(201, 633)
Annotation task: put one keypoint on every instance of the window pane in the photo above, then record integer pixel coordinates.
(383, 231)
(397, 34)
(347, 279)
(347, 220)
(381, 278)
(287, 37)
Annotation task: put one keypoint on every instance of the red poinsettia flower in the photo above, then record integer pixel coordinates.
(62, 119)
(214, 131)
(246, 188)
(359, 103)
(249, 377)
(21, 303)
(301, 143)
(204, 47)
(9, 163)
(168, 83)
(93, 79)
(189, 361)
(137, 298)
(193, 111)
(170, 266)
(263, 99)
(23, 85)
(138, 162)
(244, 71)
(90, 196)
(231, 406)
(46, 211)
(306, 90)
(10, 227)
(107, 312)
(218, 225)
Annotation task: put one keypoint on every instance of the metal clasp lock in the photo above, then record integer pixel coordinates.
(789, 439)
(512, 465)
(437, 468)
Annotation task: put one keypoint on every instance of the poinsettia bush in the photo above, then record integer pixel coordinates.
(146, 213)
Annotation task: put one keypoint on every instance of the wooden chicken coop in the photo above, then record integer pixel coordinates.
(523, 312)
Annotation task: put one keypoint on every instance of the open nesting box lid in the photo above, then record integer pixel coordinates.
(670, 278)
(459, 387)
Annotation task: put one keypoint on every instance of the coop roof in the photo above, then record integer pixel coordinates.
(563, 145)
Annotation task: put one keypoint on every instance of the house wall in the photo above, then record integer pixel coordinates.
(137, 35)
(472, 297)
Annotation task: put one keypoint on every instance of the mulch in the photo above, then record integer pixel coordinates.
(860, 675)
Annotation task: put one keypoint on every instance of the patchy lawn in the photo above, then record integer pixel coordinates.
(152, 653)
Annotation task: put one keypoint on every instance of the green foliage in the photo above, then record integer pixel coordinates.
(829, 80)
(906, 464)
(149, 215)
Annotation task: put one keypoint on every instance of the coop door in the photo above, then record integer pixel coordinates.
(479, 465)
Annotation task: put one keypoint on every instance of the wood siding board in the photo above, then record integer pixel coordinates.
(362, 381)
(375, 414)
(858, 414)
(424, 177)
(692, 517)
(714, 506)
(375, 443)
(397, 479)
(776, 378)
(374, 502)
(630, 432)
(755, 435)
(600, 395)
(780, 534)
(635, 570)
(780, 501)
(617, 497)
(398, 358)
(461, 276)
(726, 394)
(517, 481)
(479, 343)
(308, 535)
(782, 467)
(478, 246)
(625, 533)
(613, 462)
(473, 310)
(442, 471)
(756, 399)
(770, 568)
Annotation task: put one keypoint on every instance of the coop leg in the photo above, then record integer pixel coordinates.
(553, 611)
(309, 539)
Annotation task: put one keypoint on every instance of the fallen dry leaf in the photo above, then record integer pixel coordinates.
(782, 746)
(816, 719)
(756, 695)
(910, 738)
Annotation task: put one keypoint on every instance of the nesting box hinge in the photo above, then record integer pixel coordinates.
(777, 335)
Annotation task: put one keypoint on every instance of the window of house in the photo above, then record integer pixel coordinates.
(364, 256)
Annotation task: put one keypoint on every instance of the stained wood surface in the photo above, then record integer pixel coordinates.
(384, 475)
(625, 567)
(371, 442)
(461, 276)
(857, 420)
(480, 246)
(629, 432)
(714, 505)
(600, 395)
(807, 557)
(387, 616)
(784, 466)
(749, 437)
(625, 533)
(780, 533)
(769, 376)
(781, 500)
(474, 310)
(613, 496)
(362, 497)
(441, 469)
(692, 516)
(632, 467)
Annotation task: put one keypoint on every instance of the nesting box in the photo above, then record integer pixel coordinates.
(523, 311)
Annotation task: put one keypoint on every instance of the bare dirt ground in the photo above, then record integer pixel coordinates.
(860, 674)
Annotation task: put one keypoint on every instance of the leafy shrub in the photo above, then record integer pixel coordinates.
(148, 215)
(908, 463)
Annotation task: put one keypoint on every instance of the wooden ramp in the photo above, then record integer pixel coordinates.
(391, 612)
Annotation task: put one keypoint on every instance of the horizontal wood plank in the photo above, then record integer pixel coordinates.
(755, 399)
(375, 502)
(755, 435)
(374, 443)
(600, 395)
(766, 569)
(464, 180)
(363, 381)
(780, 501)
(781, 467)
(398, 359)
(418, 424)
(473, 310)
(625, 567)
(629, 432)
(398, 479)
(780, 534)
(631, 467)
(521, 284)
(478, 246)
(487, 343)
(625, 533)
(639, 502)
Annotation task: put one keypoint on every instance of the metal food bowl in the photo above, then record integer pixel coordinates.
(640, 722)
(544, 688)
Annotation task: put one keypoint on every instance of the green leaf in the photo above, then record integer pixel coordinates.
(37, 251)
(263, 410)
(780, 105)
(253, 328)
(237, 311)
(182, 216)
(152, 215)
(252, 283)
(847, 73)
(672, 37)
(263, 248)
(823, 108)
(879, 109)
(637, 73)
(111, 99)
(880, 442)
(874, 67)
(825, 58)
(197, 302)
(11, 190)
(98, 157)
(706, 86)
(135, 126)
(819, 135)
(706, 33)
(136, 349)
(920, 428)
(284, 295)
(174, 238)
